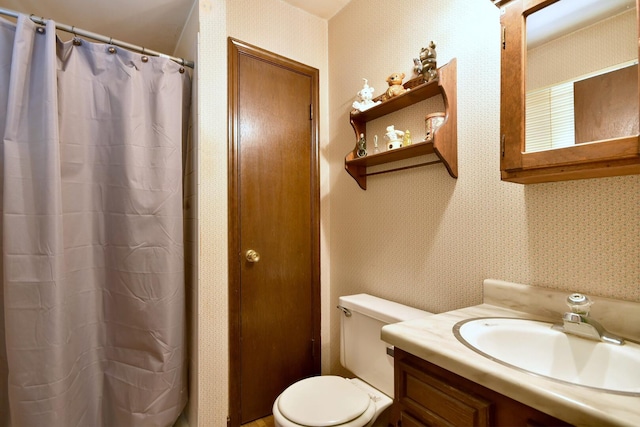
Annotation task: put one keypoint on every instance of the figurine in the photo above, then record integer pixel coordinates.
(365, 98)
(376, 150)
(395, 85)
(361, 146)
(417, 66)
(406, 139)
(393, 137)
(426, 65)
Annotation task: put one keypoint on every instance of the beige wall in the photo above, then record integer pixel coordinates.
(277, 27)
(187, 47)
(422, 238)
(418, 236)
(605, 44)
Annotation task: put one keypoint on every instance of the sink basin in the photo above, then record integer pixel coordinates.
(536, 348)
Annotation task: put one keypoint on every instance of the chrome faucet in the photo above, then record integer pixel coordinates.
(578, 322)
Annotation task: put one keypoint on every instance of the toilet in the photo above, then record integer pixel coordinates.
(328, 400)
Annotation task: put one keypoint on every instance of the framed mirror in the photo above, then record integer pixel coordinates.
(569, 89)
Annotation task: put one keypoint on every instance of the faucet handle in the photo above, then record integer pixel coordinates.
(572, 317)
(579, 303)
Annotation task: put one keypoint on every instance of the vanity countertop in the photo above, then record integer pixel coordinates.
(431, 338)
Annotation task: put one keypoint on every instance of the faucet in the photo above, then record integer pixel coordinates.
(578, 322)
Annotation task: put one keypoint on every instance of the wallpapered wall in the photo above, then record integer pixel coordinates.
(275, 26)
(418, 236)
(572, 55)
(422, 238)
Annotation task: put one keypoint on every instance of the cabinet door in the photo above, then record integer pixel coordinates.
(427, 395)
(438, 403)
(605, 155)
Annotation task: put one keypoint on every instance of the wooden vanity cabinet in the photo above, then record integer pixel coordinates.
(427, 395)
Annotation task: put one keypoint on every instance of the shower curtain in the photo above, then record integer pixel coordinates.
(92, 249)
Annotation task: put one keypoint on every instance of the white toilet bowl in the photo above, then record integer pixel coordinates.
(329, 401)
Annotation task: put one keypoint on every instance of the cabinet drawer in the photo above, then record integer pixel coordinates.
(406, 420)
(439, 403)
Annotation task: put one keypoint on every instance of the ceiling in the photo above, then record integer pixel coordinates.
(323, 8)
(157, 24)
(154, 24)
(566, 16)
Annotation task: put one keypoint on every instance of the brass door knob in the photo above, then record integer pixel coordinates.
(252, 256)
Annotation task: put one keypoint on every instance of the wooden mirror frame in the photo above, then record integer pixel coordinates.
(611, 157)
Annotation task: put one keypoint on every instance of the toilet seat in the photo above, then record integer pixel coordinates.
(325, 401)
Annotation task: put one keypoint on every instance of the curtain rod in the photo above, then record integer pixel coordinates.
(100, 37)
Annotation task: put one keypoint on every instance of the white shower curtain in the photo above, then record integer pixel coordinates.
(92, 249)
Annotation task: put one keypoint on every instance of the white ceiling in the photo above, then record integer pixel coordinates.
(566, 16)
(323, 8)
(154, 24)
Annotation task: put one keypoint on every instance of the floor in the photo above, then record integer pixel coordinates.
(262, 422)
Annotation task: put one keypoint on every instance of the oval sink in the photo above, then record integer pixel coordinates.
(535, 348)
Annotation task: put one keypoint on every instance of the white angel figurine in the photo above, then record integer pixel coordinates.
(364, 99)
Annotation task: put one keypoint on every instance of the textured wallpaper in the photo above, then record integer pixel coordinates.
(422, 238)
(418, 236)
(212, 340)
(604, 44)
(280, 28)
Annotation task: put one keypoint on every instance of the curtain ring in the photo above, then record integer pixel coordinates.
(144, 58)
(111, 49)
(40, 22)
(39, 30)
(76, 40)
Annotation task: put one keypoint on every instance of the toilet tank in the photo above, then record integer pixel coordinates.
(361, 349)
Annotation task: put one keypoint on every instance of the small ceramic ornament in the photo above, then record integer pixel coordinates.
(406, 139)
(361, 146)
(364, 97)
(393, 137)
(431, 123)
(395, 85)
(426, 65)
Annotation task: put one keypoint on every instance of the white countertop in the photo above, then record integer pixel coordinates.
(432, 339)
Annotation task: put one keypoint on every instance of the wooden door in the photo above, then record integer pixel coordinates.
(274, 211)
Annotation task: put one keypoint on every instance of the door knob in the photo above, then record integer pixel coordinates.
(252, 256)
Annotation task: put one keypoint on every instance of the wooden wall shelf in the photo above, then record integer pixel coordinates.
(445, 139)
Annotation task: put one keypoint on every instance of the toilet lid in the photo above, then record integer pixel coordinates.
(323, 401)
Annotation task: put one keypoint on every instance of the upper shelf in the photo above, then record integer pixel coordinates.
(445, 139)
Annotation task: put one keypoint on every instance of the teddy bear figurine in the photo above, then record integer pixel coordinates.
(395, 85)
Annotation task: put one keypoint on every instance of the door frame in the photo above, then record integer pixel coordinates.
(235, 48)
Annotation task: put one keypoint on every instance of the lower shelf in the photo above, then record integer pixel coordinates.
(357, 166)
